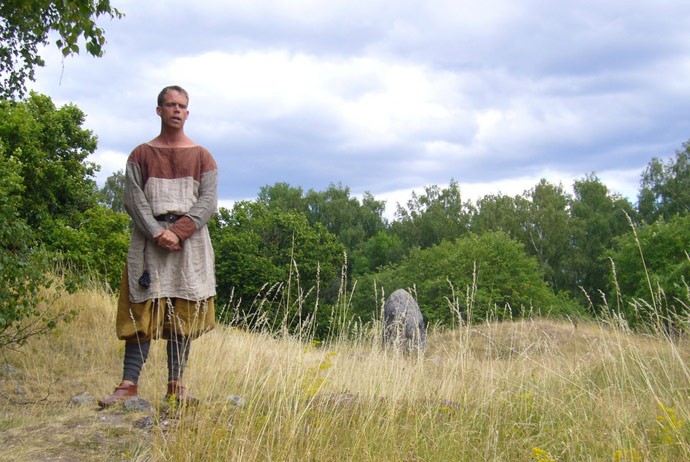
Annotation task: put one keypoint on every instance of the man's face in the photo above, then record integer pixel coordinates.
(173, 112)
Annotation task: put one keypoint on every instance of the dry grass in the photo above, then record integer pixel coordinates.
(529, 390)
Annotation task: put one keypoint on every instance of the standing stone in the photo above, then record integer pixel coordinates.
(403, 323)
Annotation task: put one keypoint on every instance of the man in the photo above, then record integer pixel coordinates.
(169, 283)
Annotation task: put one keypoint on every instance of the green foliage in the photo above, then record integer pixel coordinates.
(282, 196)
(59, 197)
(569, 235)
(93, 242)
(351, 222)
(259, 250)
(23, 278)
(473, 276)
(430, 218)
(382, 249)
(597, 218)
(547, 229)
(112, 194)
(51, 148)
(541, 221)
(48, 212)
(661, 278)
(25, 26)
(665, 187)
(498, 213)
(342, 215)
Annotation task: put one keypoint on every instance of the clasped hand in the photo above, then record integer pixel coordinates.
(168, 240)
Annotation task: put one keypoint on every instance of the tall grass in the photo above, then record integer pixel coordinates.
(524, 390)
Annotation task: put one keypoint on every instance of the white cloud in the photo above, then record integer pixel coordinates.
(226, 203)
(371, 101)
(389, 96)
(110, 162)
(625, 182)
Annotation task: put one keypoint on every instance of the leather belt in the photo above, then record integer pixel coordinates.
(169, 217)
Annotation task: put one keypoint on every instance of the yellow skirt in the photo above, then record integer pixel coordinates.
(161, 317)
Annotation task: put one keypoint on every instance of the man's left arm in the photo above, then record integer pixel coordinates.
(201, 212)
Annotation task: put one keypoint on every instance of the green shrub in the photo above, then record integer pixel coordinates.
(23, 266)
(479, 275)
(662, 278)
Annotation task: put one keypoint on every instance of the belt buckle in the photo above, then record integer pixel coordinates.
(170, 217)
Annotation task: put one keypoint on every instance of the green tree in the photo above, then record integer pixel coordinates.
(112, 194)
(283, 197)
(371, 215)
(51, 148)
(428, 219)
(662, 278)
(349, 220)
(92, 243)
(665, 187)
(353, 223)
(48, 212)
(546, 230)
(597, 218)
(23, 266)
(58, 199)
(497, 213)
(381, 249)
(26, 25)
(472, 277)
(258, 249)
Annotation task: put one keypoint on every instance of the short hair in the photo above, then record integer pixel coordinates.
(176, 88)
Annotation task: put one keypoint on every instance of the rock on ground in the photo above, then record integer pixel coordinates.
(83, 398)
(136, 404)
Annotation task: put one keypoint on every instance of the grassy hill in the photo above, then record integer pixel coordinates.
(528, 390)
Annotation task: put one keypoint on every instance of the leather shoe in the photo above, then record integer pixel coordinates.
(121, 393)
(179, 393)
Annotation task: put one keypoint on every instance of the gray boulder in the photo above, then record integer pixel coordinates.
(83, 398)
(136, 404)
(403, 323)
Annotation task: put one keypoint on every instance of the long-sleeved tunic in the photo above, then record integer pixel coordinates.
(180, 181)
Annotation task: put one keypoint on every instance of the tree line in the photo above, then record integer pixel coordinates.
(589, 253)
(546, 250)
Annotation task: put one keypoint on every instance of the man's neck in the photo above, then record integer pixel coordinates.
(172, 139)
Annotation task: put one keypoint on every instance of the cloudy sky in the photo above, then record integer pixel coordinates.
(391, 96)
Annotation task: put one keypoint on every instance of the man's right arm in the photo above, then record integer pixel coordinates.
(136, 203)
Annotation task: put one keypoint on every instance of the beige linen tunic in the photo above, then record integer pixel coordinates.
(181, 181)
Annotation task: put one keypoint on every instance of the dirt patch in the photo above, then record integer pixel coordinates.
(76, 435)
